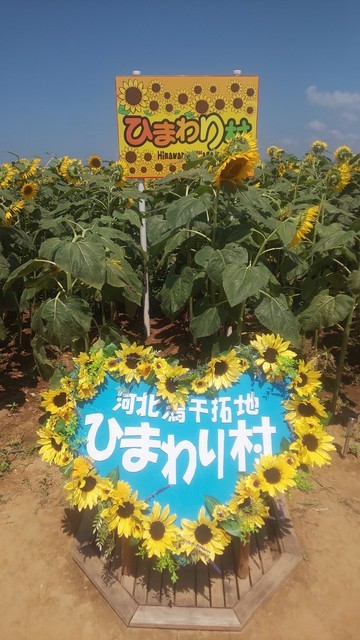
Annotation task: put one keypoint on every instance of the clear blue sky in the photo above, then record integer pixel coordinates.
(60, 59)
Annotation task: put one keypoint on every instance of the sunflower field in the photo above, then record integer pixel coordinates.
(234, 242)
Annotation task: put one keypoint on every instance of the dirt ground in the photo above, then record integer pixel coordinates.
(45, 595)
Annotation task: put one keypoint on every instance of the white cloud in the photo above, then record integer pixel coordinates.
(287, 142)
(343, 137)
(350, 118)
(333, 99)
(316, 125)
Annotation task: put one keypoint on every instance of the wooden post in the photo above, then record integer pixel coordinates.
(242, 561)
(127, 556)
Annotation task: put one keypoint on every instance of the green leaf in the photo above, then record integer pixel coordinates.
(60, 321)
(275, 315)
(286, 230)
(84, 259)
(185, 209)
(23, 270)
(332, 237)
(221, 258)
(210, 504)
(176, 291)
(203, 255)
(325, 311)
(42, 362)
(241, 283)
(206, 323)
(4, 267)
(113, 476)
(354, 282)
(284, 445)
(232, 527)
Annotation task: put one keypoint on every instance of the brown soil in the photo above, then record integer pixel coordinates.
(45, 596)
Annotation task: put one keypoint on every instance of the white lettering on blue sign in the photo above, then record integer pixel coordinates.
(142, 444)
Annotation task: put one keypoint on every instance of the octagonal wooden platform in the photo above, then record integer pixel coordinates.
(204, 597)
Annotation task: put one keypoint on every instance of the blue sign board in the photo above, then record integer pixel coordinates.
(182, 455)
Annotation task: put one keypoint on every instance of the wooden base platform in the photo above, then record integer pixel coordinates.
(204, 597)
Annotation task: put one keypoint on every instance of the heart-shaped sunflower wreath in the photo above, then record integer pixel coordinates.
(225, 399)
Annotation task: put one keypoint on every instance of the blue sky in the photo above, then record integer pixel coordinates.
(60, 59)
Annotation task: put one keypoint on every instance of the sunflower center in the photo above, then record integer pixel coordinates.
(220, 368)
(234, 167)
(246, 504)
(133, 95)
(126, 510)
(270, 355)
(27, 190)
(272, 475)
(310, 442)
(303, 380)
(60, 399)
(170, 385)
(132, 361)
(203, 534)
(157, 530)
(90, 484)
(96, 163)
(306, 409)
(55, 445)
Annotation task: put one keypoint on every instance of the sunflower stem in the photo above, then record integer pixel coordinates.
(340, 364)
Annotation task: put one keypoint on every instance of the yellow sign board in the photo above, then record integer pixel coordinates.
(160, 119)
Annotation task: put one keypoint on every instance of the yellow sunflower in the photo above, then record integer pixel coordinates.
(343, 153)
(303, 412)
(247, 487)
(159, 532)
(125, 513)
(169, 387)
(272, 151)
(59, 403)
(131, 357)
(200, 385)
(95, 163)
(223, 372)
(203, 539)
(71, 170)
(274, 474)
(339, 176)
(29, 190)
(307, 221)
(28, 168)
(160, 366)
(7, 173)
(14, 209)
(281, 169)
(251, 512)
(133, 95)
(237, 165)
(53, 448)
(318, 147)
(119, 172)
(87, 490)
(86, 388)
(313, 446)
(307, 381)
(271, 349)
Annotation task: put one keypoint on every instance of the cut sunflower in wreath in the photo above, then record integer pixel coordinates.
(125, 512)
(271, 348)
(238, 161)
(131, 357)
(53, 449)
(86, 489)
(159, 532)
(59, 402)
(307, 381)
(313, 446)
(250, 512)
(202, 539)
(274, 474)
(170, 387)
(224, 371)
(304, 411)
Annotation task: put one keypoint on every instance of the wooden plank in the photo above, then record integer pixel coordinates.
(289, 539)
(186, 618)
(243, 584)
(167, 590)
(154, 586)
(216, 583)
(273, 533)
(255, 567)
(264, 550)
(184, 588)
(231, 595)
(265, 587)
(202, 585)
(141, 581)
(117, 597)
(84, 533)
